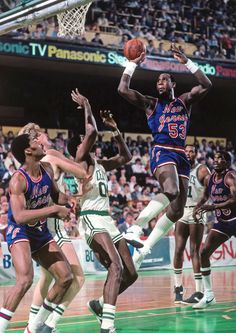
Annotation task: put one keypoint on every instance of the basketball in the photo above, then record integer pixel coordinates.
(133, 49)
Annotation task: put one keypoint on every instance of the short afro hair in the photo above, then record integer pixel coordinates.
(73, 144)
(226, 156)
(18, 146)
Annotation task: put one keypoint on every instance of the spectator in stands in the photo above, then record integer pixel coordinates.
(151, 49)
(112, 181)
(151, 226)
(102, 20)
(136, 193)
(129, 221)
(123, 41)
(97, 39)
(39, 32)
(116, 198)
(3, 224)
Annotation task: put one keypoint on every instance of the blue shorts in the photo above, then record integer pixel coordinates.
(161, 156)
(227, 228)
(37, 237)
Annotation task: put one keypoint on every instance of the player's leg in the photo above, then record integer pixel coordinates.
(181, 236)
(40, 292)
(77, 283)
(213, 241)
(129, 275)
(196, 233)
(22, 261)
(52, 259)
(168, 178)
(107, 254)
(174, 211)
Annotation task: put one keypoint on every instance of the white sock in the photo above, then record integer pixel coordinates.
(153, 208)
(101, 301)
(163, 225)
(34, 309)
(5, 317)
(207, 281)
(198, 282)
(108, 316)
(178, 277)
(55, 316)
(44, 312)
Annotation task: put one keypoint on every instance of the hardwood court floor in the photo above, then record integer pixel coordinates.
(147, 307)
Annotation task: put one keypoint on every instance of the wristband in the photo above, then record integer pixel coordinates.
(191, 66)
(116, 133)
(130, 68)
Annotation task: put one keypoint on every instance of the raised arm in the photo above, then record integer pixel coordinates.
(143, 102)
(21, 214)
(90, 126)
(199, 91)
(124, 155)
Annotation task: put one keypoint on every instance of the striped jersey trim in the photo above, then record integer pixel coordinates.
(95, 212)
(169, 147)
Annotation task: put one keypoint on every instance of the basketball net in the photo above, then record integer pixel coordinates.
(72, 22)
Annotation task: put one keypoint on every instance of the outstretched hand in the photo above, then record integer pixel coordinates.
(178, 54)
(140, 59)
(107, 118)
(78, 98)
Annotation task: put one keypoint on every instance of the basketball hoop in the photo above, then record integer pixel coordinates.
(72, 22)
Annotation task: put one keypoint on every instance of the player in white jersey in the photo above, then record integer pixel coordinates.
(98, 226)
(60, 164)
(187, 227)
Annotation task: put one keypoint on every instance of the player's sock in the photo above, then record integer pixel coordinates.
(101, 301)
(34, 309)
(108, 316)
(178, 277)
(163, 225)
(198, 282)
(206, 277)
(42, 315)
(153, 208)
(5, 317)
(55, 316)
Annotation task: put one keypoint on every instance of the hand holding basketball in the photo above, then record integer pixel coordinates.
(135, 50)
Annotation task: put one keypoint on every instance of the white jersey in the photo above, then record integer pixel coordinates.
(97, 198)
(195, 188)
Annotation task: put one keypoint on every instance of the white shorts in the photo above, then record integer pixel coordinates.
(187, 218)
(57, 230)
(95, 222)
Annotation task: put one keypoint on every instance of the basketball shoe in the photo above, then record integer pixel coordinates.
(178, 294)
(194, 298)
(46, 329)
(108, 330)
(207, 300)
(96, 309)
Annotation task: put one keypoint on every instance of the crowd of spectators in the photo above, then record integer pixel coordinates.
(209, 25)
(130, 187)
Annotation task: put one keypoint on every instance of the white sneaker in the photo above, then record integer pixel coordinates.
(206, 301)
(139, 256)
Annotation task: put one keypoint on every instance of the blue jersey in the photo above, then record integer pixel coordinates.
(37, 195)
(169, 123)
(219, 193)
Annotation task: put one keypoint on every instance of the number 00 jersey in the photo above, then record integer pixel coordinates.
(97, 198)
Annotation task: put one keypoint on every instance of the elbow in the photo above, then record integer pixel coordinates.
(209, 85)
(19, 218)
(122, 91)
(127, 158)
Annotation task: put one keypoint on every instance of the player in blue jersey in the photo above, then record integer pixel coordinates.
(221, 189)
(168, 118)
(31, 189)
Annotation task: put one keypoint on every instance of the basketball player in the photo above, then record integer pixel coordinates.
(31, 189)
(187, 227)
(96, 223)
(60, 164)
(221, 189)
(168, 118)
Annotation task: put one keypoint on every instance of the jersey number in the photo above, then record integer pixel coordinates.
(189, 195)
(103, 189)
(175, 131)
